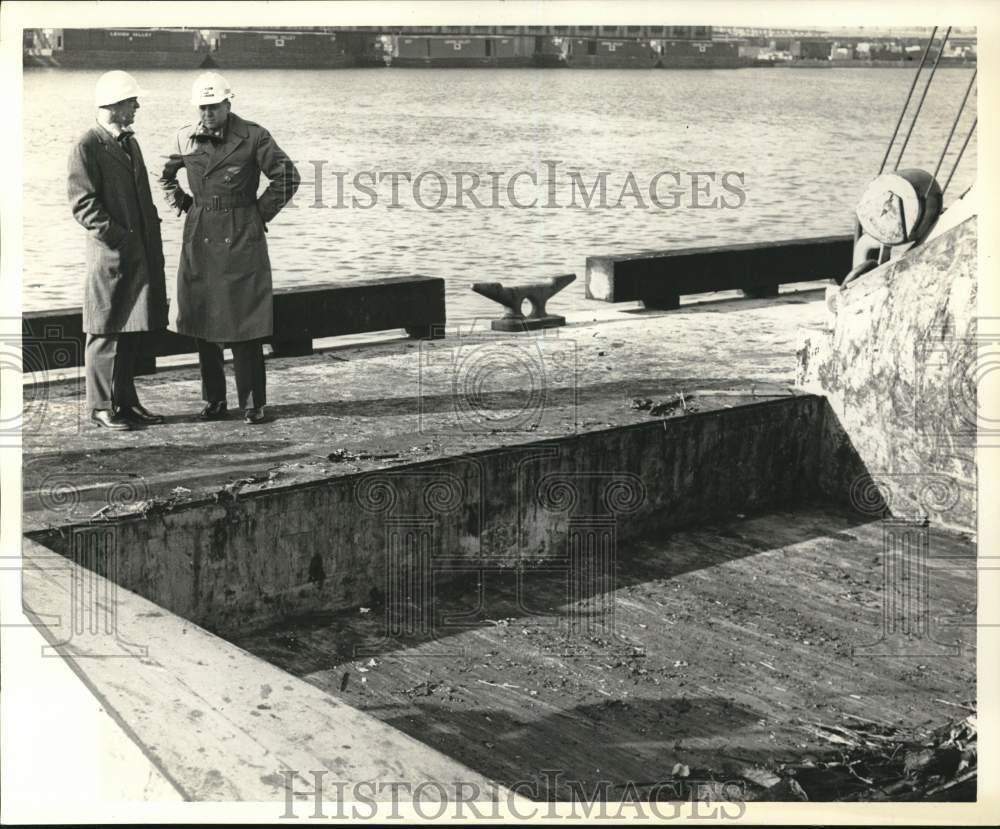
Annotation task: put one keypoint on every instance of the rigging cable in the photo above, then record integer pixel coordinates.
(954, 126)
(906, 105)
(920, 104)
(902, 115)
(959, 157)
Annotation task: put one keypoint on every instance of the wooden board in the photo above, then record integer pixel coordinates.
(217, 722)
(728, 641)
(654, 276)
(54, 340)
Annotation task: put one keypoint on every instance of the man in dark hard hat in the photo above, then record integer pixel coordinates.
(125, 291)
(224, 281)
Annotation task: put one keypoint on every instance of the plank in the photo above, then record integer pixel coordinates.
(219, 723)
(729, 639)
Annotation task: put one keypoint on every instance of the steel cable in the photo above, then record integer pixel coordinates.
(951, 134)
(902, 115)
(958, 158)
(920, 103)
(909, 95)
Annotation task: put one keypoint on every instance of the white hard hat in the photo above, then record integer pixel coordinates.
(116, 86)
(210, 88)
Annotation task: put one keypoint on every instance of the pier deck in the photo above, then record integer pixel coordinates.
(398, 399)
(730, 642)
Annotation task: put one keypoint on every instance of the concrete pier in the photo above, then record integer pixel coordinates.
(380, 405)
(639, 490)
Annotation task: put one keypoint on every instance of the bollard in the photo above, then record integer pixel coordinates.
(537, 293)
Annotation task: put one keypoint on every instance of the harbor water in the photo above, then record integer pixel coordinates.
(796, 147)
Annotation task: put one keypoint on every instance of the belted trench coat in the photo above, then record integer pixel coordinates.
(224, 289)
(109, 195)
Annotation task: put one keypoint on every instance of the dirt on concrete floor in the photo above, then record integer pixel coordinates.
(369, 407)
(735, 654)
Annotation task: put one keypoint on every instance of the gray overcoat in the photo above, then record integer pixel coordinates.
(224, 278)
(110, 197)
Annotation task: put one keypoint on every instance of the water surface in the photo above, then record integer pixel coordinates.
(806, 142)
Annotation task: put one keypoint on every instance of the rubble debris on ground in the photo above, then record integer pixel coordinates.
(681, 403)
(230, 491)
(341, 455)
(678, 404)
(875, 762)
(142, 508)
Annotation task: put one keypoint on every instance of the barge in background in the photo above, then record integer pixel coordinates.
(342, 47)
(613, 47)
(666, 54)
(298, 49)
(465, 51)
(115, 48)
(194, 49)
(646, 47)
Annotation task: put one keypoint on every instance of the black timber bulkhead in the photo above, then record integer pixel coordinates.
(660, 278)
(54, 340)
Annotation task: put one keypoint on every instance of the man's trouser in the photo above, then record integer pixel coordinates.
(248, 365)
(110, 368)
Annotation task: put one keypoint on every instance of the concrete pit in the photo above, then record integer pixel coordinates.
(661, 558)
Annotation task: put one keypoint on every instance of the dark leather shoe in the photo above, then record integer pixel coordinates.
(215, 411)
(139, 415)
(109, 420)
(254, 416)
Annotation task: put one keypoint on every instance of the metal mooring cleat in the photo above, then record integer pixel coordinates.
(537, 293)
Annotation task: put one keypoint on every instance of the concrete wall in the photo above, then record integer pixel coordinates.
(897, 367)
(358, 539)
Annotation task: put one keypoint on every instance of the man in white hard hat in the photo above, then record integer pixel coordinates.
(224, 293)
(125, 292)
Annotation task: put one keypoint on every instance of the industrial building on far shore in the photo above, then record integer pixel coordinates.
(641, 47)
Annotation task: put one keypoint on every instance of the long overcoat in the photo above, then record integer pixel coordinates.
(110, 197)
(224, 278)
